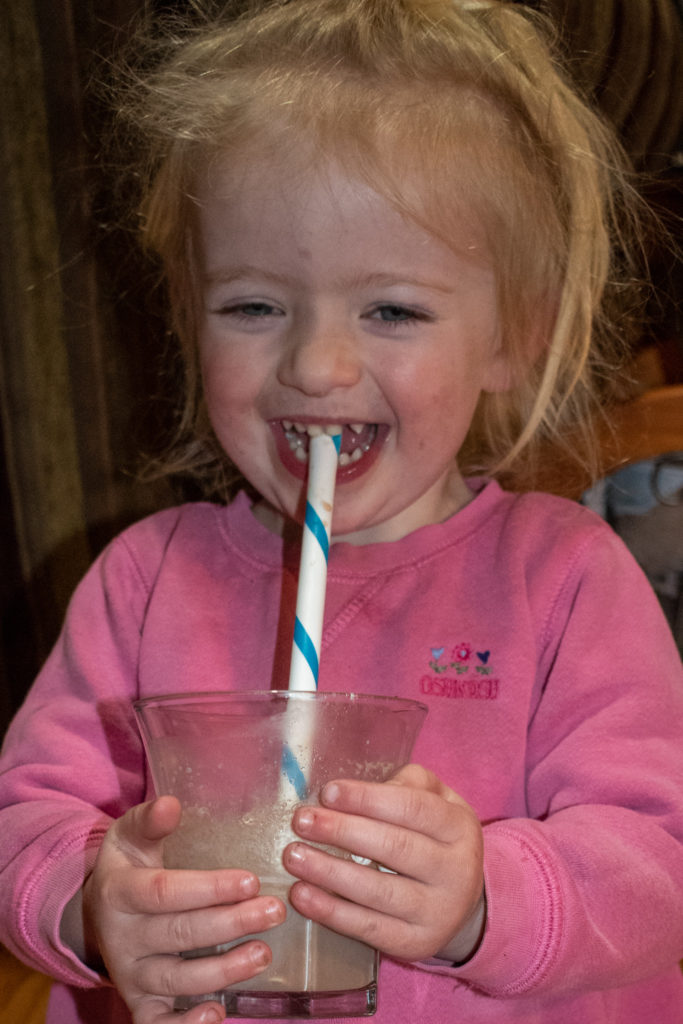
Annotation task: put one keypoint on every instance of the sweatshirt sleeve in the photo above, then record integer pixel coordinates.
(72, 760)
(586, 892)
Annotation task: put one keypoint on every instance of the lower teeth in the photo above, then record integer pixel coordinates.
(345, 458)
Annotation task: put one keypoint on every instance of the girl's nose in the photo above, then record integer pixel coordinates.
(318, 358)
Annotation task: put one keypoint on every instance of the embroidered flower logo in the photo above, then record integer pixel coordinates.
(483, 669)
(434, 664)
(459, 673)
(463, 659)
(462, 652)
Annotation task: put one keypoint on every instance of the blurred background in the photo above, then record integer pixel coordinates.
(82, 345)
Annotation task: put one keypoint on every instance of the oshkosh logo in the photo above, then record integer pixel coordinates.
(469, 673)
(465, 689)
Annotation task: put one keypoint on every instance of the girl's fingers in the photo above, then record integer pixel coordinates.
(401, 916)
(159, 891)
(429, 808)
(400, 848)
(157, 1011)
(178, 933)
(170, 976)
(387, 893)
(397, 937)
(415, 826)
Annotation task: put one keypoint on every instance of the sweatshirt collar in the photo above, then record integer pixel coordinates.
(254, 543)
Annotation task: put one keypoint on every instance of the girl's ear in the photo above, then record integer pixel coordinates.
(507, 367)
(501, 374)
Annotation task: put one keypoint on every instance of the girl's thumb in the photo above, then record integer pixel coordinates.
(144, 826)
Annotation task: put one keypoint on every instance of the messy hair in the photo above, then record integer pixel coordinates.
(449, 109)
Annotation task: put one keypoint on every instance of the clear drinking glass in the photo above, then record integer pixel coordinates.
(240, 762)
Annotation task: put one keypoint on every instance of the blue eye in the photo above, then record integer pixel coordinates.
(253, 315)
(394, 315)
(252, 309)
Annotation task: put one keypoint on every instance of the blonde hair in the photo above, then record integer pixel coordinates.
(449, 108)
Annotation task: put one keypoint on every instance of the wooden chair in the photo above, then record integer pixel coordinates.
(25, 992)
(645, 427)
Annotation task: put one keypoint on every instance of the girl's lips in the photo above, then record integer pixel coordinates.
(360, 446)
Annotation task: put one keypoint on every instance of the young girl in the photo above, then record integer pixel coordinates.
(392, 216)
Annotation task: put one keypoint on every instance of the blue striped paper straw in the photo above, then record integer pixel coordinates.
(323, 457)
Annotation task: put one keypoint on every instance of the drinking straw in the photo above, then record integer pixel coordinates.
(315, 544)
(323, 459)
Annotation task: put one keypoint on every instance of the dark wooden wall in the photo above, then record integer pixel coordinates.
(80, 350)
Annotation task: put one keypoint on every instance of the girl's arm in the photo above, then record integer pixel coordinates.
(72, 761)
(83, 894)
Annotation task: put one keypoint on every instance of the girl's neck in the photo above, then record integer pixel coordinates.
(457, 496)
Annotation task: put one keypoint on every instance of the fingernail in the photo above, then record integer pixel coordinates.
(295, 853)
(304, 819)
(211, 1016)
(260, 956)
(330, 793)
(249, 885)
(274, 910)
(303, 892)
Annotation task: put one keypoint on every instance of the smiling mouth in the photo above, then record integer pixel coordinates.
(357, 439)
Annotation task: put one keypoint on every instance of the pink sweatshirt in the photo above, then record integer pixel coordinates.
(555, 699)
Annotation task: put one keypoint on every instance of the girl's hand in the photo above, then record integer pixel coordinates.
(419, 828)
(139, 917)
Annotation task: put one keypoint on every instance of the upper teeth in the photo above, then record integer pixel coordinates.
(316, 429)
(296, 432)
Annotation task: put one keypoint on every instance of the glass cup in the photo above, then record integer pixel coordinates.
(240, 762)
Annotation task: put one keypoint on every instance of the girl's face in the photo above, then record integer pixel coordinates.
(324, 306)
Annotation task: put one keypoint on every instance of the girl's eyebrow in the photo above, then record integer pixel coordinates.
(244, 271)
(395, 280)
(374, 280)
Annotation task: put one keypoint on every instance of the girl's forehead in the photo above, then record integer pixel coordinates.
(289, 178)
(437, 159)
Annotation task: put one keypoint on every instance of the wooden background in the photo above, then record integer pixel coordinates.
(80, 351)
(81, 347)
